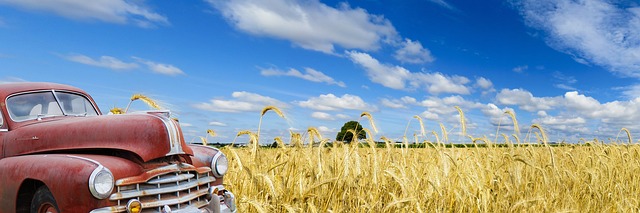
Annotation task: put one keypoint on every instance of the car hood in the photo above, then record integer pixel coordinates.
(148, 135)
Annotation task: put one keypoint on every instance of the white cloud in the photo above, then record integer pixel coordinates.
(243, 102)
(598, 31)
(112, 11)
(444, 4)
(484, 83)
(526, 101)
(564, 81)
(397, 77)
(309, 24)
(309, 75)
(413, 52)
(11, 80)
(104, 61)
(394, 104)
(389, 76)
(182, 124)
(324, 129)
(630, 92)
(330, 102)
(496, 115)
(165, 69)
(322, 116)
(565, 87)
(575, 101)
(564, 124)
(520, 69)
(342, 116)
(217, 123)
(430, 115)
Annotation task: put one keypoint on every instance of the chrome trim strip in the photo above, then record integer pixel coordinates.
(141, 193)
(174, 135)
(176, 178)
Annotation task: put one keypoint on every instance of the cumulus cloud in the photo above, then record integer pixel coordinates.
(241, 102)
(496, 115)
(564, 124)
(597, 31)
(165, 69)
(413, 52)
(397, 77)
(104, 61)
(322, 116)
(485, 84)
(574, 110)
(112, 11)
(526, 101)
(309, 75)
(309, 24)
(330, 102)
(394, 104)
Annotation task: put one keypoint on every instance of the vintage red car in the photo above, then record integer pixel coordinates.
(58, 153)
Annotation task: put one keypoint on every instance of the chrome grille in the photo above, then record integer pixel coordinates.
(177, 186)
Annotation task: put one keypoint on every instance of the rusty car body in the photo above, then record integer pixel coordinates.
(58, 153)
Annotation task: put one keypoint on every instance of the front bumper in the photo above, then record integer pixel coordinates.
(224, 203)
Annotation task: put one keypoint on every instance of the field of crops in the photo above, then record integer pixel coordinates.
(587, 176)
(575, 178)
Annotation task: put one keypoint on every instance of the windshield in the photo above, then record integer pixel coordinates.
(37, 105)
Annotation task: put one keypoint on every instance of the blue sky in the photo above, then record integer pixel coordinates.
(570, 66)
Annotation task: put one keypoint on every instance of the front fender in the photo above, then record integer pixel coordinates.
(202, 156)
(66, 176)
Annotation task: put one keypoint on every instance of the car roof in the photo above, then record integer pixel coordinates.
(7, 89)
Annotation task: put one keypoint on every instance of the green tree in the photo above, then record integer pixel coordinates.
(346, 136)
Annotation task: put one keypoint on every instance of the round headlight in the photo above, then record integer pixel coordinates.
(101, 182)
(219, 164)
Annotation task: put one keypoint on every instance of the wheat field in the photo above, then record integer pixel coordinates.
(574, 178)
(586, 176)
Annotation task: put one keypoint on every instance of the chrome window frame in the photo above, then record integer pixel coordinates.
(2, 122)
(53, 91)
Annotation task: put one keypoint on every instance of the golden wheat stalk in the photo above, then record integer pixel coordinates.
(544, 136)
(516, 127)
(264, 111)
(422, 132)
(462, 121)
(628, 134)
(116, 110)
(295, 139)
(373, 125)
(280, 142)
(203, 140)
(445, 135)
(150, 102)
(313, 133)
(211, 132)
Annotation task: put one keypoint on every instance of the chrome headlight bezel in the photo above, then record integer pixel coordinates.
(98, 177)
(219, 164)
